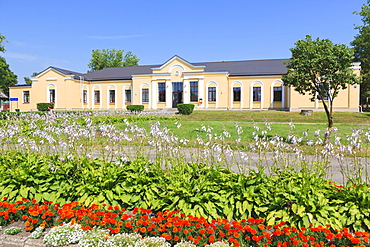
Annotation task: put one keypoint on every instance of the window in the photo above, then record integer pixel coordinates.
(51, 95)
(112, 96)
(161, 92)
(26, 96)
(236, 94)
(193, 91)
(128, 96)
(212, 94)
(97, 97)
(278, 94)
(256, 93)
(84, 96)
(145, 95)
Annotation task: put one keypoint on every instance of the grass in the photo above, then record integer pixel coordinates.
(277, 117)
(218, 121)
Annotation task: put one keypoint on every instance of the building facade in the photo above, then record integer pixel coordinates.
(253, 85)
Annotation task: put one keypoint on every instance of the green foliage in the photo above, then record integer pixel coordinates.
(107, 58)
(185, 109)
(361, 46)
(321, 69)
(7, 77)
(135, 108)
(294, 197)
(12, 231)
(44, 106)
(27, 80)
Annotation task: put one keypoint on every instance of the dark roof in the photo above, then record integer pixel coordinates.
(68, 72)
(249, 67)
(234, 68)
(118, 73)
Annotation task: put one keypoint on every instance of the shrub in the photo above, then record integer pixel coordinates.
(135, 108)
(185, 109)
(44, 106)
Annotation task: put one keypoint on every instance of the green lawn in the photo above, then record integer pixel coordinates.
(277, 116)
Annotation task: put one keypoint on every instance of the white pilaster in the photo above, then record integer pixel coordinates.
(201, 94)
(168, 94)
(154, 98)
(186, 93)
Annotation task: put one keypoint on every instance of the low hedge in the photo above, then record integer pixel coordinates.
(44, 106)
(135, 108)
(185, 109)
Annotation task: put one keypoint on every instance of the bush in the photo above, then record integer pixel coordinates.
(44, 106)
(185, 109)
(135, 108)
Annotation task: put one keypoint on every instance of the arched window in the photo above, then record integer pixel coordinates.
(145, 93)
(257, 94)
(51, 93)
(128, 94)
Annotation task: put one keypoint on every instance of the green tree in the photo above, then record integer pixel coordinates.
(7, 77)
(27, 80)
(321, 69)
(107, 58)
(361, 45)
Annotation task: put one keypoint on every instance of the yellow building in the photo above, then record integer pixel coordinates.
(254, 84)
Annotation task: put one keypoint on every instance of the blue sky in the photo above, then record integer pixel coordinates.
(63, 33)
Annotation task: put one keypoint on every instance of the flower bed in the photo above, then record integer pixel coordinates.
(174, 226)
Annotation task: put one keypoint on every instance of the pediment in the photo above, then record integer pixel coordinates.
(177, 65)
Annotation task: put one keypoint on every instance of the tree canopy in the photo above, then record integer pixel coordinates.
(107, 58)
(321, 69)
(361, 45)
(7, 77)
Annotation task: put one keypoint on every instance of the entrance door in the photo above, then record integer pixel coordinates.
(177, 90)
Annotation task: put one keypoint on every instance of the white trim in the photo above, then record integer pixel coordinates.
(124, 95)
(154, 74)
(282, 93)
(93, 96)
(179, 58)
(251, 94)
(115, 96)
(48, 93)
(207, 86)
(154, 98)
(141, 94)
(51, 79)
(85, 87)
(176, 66)
(232, 94)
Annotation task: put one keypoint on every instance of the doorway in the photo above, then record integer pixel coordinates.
(177, 91)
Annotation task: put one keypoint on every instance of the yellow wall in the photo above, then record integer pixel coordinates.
(69, 91)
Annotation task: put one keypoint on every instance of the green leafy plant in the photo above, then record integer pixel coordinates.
(44, 106)
(12, 231)
(185, 109)
(135, 108)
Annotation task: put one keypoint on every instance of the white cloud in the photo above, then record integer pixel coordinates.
(116, 37)
(20, 56)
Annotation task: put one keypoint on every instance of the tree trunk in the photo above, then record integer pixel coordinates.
(329, 115)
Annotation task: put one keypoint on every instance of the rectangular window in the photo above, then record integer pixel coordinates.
(145, 95)
(256, 93)
(26, 96)
(128, 96)
(236, 94)
(161, 92)
(212, 94)
(96, 97)
(84, 96)
(193, 91)
(112, 96)
(52, 95)
(278, 94)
